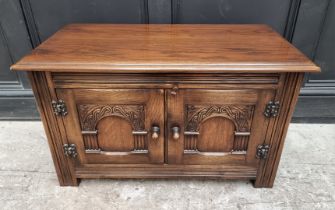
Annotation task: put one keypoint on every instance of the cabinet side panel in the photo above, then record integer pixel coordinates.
(287, 96)
(53, 128)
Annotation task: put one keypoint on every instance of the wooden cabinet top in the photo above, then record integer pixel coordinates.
(166, 48)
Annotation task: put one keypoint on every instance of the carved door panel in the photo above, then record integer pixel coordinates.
(115, 126)
(216, 126)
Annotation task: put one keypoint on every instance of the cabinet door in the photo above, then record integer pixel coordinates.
(216, 126)
(115, 126)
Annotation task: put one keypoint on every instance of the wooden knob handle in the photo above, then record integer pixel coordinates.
(155, 132)
(154, 136)
(174, 90)
(175, 132)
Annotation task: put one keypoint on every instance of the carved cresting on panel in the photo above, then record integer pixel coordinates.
(91, 114)
(240, 115)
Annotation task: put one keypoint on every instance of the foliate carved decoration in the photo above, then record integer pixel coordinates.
(240, 115)
(91, 114)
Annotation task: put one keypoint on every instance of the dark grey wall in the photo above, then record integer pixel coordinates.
(50, 15)
(24, 24)
(315, 36)
(271, 12)
(16, 100)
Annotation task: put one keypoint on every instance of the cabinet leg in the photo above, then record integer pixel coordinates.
(69, 183)
(66, 175)
(260, 184)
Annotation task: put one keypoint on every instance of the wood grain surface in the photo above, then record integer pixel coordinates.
(165, 49)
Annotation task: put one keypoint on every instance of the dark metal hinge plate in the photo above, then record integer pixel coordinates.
(272, 109)
(262, 151)
(70, 150)
(59, 108)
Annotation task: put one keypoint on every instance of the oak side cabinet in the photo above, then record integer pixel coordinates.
(166, 101)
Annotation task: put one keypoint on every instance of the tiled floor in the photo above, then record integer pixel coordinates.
(305, 180)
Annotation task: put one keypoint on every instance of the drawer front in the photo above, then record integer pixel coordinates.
(216, 126)
(115, 125)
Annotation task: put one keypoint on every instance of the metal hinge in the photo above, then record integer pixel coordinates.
(70, 150)
(262, 151)
(272, 109)
(59, 107)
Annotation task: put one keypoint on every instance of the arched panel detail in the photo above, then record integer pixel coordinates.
(91, 114)
(240, 115)
(115, 134)
(216, 134)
